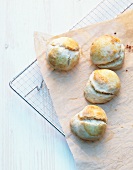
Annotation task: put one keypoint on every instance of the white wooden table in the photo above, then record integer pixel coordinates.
(27, 141)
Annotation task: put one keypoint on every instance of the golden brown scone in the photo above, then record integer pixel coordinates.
(63, 53)
(95, 112)
(66, 42)
(90, 123)
(102, 86)
(107, 52)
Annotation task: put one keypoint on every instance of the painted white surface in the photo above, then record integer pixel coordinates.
(28, 142)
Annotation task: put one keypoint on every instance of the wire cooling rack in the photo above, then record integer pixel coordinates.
(29, 84)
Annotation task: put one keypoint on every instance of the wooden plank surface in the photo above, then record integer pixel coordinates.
(28, 142)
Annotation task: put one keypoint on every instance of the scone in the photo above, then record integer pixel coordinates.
(90, 123)
(107, 52)
(63, 53)
(102, 86)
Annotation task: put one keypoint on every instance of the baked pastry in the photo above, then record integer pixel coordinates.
(90, 123)
(63, 53)
(107, 52)
(102, 86)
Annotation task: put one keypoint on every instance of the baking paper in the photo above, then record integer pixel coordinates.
(115, 150)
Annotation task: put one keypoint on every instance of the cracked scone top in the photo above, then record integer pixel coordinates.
(90, 123)
(107, 52)
(63, 53)
(102, 86)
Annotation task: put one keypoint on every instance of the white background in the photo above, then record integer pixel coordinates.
(27, 141)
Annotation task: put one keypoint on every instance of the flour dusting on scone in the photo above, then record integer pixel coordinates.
(63, 53)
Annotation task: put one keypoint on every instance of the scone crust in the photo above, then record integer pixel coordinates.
(89, 124)
(95, 97)
(97, 133)
(66, 42)
(105, 49)
(63, 53)
(93, 112)
(62, 62)
(114, 65)
(105, 81)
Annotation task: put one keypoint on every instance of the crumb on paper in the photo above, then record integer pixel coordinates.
(73, 98)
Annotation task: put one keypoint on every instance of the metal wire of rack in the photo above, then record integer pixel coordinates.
(29, 84)
(106, 10)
